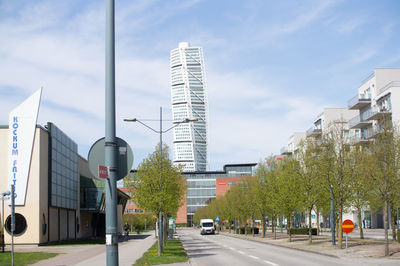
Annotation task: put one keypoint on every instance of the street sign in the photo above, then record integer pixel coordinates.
(102, 171)
(217, 218)
(347, 226)
(97, 157)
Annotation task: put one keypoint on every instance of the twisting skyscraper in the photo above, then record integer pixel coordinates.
(189, 100)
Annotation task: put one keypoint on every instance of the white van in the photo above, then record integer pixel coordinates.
(207, 226)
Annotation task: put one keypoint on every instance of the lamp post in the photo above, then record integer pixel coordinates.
(187, 120)
(3, 197)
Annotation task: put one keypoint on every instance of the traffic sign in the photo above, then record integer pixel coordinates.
(102, 171)
(97, 157)
(347, 226)
(217, 218)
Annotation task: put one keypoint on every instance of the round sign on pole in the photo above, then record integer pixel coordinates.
(347, 226)
(96, 157)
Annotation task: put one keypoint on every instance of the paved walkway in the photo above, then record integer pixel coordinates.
(89, 255)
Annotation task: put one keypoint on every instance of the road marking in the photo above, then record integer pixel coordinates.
(232, 248)
(241, 252)
(254, 257)
(270, 263)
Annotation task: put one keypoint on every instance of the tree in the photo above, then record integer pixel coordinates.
(289, 192)
(384, 166)
(309, 179)
(262, 192)
(360, 185)
(157, 185)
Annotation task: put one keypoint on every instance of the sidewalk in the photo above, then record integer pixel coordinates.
(370, 247)
(89, 255)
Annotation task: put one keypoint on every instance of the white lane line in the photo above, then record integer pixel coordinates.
(241, 252)
(270, 263)
(232, 248)
(254, 257)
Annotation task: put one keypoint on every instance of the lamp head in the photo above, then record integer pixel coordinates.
(192, 119)
(130, 119)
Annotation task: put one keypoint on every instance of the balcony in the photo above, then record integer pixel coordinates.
(313, 132)
(358, 122)
(358, 140)
(377, 113)
(372, 132)
(285, 151)
(358, 102)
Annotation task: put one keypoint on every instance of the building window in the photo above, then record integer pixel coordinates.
(20, 224)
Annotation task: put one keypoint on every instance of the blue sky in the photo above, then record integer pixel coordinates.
(271, 66)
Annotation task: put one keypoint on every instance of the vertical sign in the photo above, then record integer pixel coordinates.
(21, 133)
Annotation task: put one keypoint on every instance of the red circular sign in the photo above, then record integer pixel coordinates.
(347, 226)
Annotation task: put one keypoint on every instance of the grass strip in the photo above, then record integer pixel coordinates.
(24, 258)
(173, 252)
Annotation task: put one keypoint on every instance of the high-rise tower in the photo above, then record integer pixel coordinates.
(189, 100)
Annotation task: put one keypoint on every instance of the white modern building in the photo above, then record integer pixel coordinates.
(377, 99)
(189, 100)
(293, 143)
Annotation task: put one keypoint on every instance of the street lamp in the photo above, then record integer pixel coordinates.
(187, 120)
(4, 196)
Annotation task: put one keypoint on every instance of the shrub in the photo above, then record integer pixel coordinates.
(181, 225)
(303, 231)
(248, 229)
(398, 236)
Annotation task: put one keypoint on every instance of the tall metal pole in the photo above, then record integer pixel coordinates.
(110, 141)
(2, 223)
(12, 222)
(332, 222)
(160, 239)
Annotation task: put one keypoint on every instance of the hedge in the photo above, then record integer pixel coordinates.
(303, 231)
(248, 229)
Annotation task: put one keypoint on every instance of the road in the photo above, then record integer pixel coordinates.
(225, 250)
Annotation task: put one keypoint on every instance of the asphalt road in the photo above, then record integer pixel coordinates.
(225, 250)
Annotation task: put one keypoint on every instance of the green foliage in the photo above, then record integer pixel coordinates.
(181, 225)
(398, 236)
(157, 185)
(303, 231)
(173, 252)
(138, 221)
(24, 258)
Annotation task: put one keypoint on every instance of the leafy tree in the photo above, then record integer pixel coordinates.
(308, 177)
(157, 185)
(289, 193)
(384, 166)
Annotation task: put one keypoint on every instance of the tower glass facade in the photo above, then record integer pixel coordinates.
(189, 100)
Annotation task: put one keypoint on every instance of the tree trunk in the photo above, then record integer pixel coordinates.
(360, 222)
(393, 216)
(339, 225)
(274, 225)
(386, 223)
(309, 226)
(230, 223)
(318, 229)
(263, 223)
(288, 228)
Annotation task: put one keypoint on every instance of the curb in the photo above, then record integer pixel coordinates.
(277, 245)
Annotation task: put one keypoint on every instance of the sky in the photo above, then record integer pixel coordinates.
(271, 66)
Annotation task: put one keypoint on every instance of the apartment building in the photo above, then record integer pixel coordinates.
(293, 143)
(377, 99)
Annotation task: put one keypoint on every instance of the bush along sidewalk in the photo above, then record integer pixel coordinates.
(173, 252)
